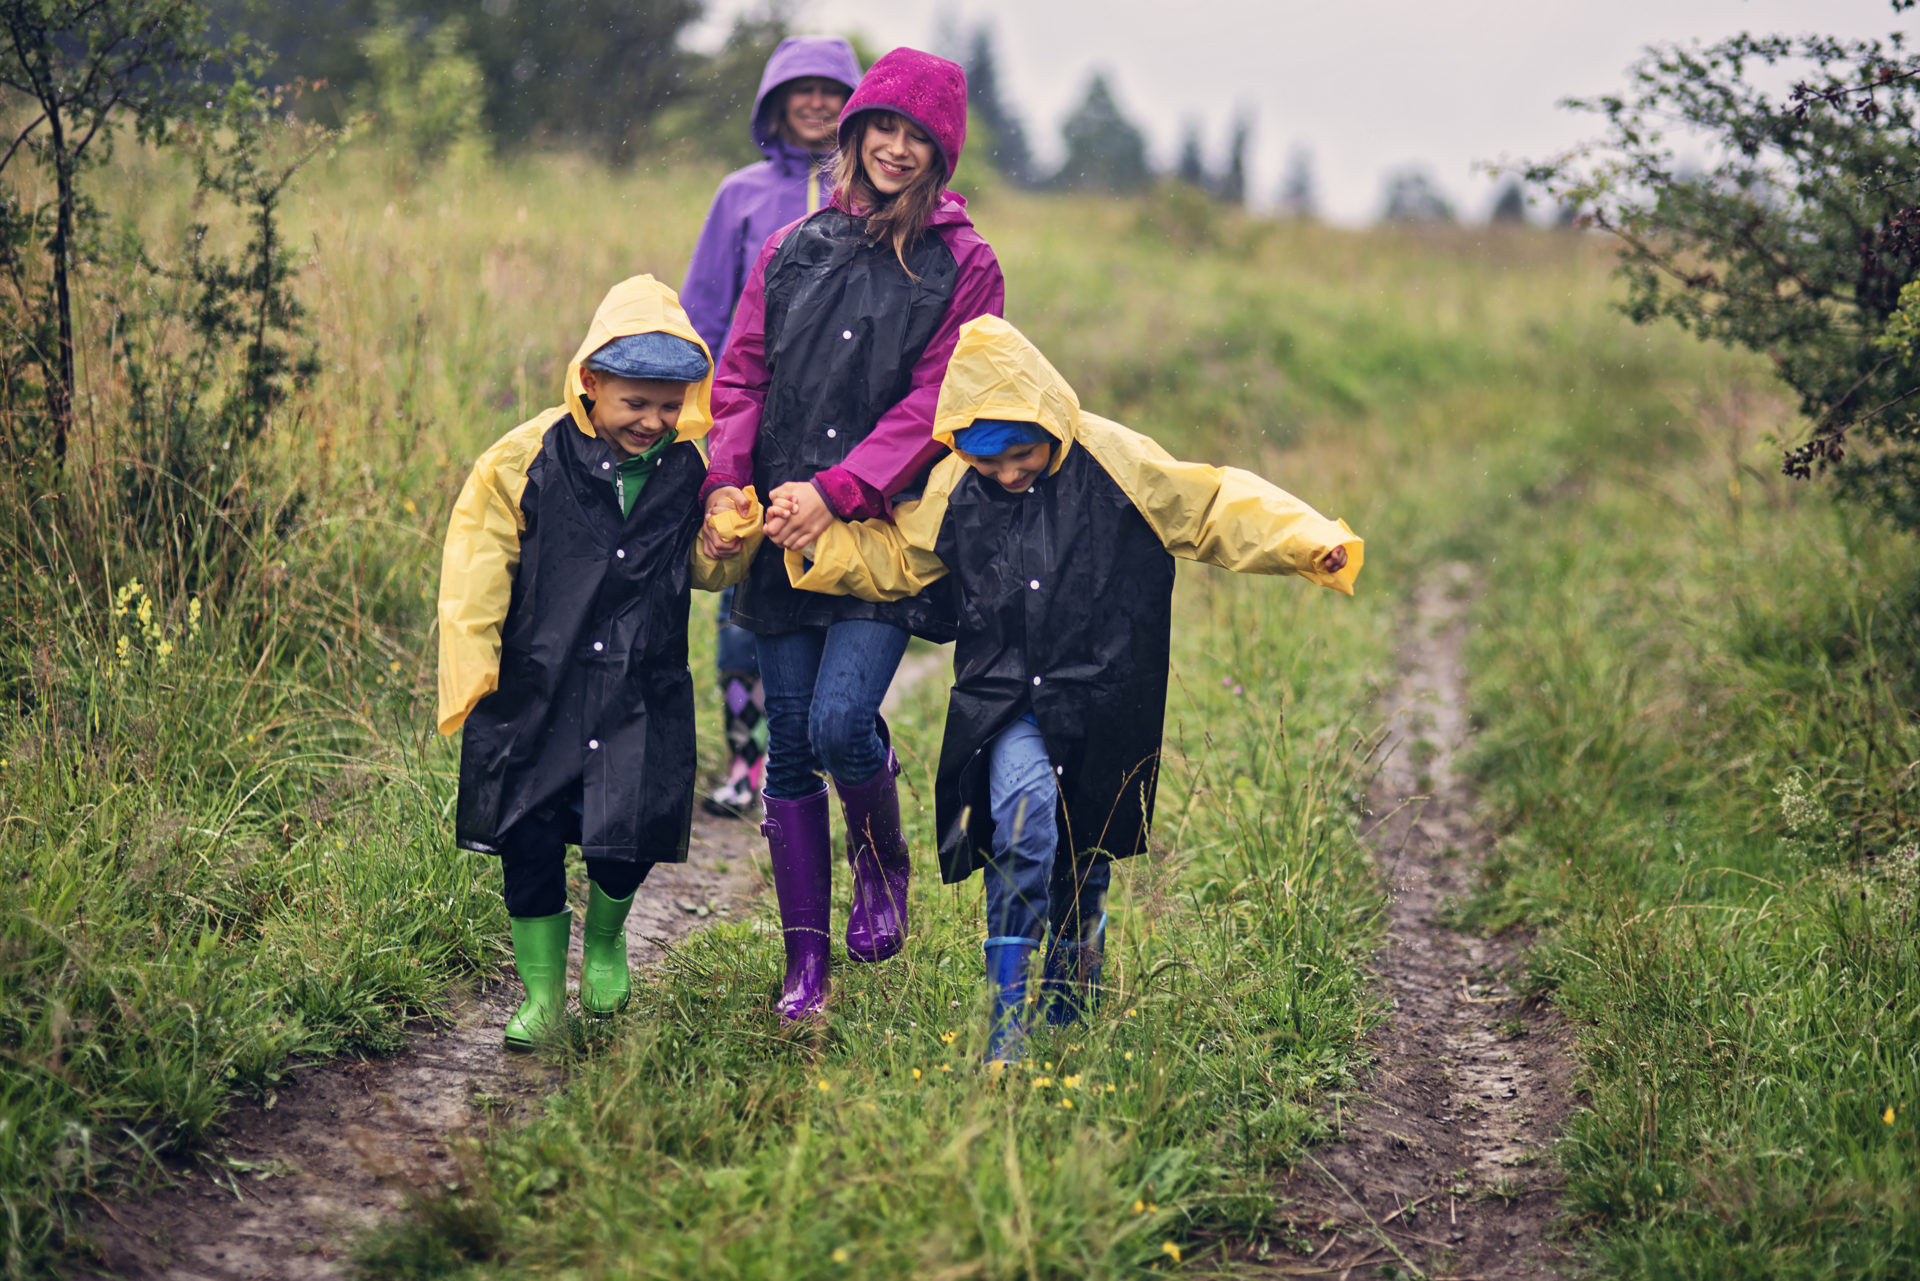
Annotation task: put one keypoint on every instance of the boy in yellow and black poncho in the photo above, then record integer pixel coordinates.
(563, 642)
(1059, 531)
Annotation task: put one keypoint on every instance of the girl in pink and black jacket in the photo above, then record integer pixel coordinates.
(824, 402)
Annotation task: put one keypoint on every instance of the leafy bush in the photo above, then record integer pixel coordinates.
(1801, 240)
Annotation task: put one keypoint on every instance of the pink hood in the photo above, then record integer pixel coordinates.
(928, 90)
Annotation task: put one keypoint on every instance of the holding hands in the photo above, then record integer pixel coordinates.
(796, 515)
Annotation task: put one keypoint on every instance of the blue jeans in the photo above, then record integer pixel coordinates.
(734, 654)
(1030, 890)
(824, 686)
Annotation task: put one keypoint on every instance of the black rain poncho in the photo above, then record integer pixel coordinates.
(1064, 592)
(563, 624)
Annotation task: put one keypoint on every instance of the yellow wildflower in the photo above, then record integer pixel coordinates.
(1042, 1082)
(1129, 1055)
(916, 1074)
(1171, 1250)
(1109, 1087)
(1067, 1104)
(1072, 1082)
(1887, 1116)
(824, 1086)
(1131, 1011)
(840, 1251)
(946, 1067)
(1139, 1207)
(947, 1038)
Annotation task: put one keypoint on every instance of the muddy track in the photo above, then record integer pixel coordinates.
(1444, 1166)
(286, 1187)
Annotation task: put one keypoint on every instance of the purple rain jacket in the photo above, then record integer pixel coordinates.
(754, 202)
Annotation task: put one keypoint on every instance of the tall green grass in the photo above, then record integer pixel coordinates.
(1700, 687)
(235, 854)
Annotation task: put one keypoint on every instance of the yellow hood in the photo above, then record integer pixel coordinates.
(996, 373)
(642, 305)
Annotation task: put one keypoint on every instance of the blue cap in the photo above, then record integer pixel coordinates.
(990, 436)
(667, 357)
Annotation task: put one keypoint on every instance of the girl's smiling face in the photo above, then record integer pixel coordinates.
(632, 414)
(1015, 470)
(894, 151)
(811, 113)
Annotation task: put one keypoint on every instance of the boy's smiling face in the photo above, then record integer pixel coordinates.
(1015, 470)
(632, 414)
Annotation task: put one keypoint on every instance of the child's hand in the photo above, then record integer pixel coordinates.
(796, 515)
(1334, 561)
(711, 544)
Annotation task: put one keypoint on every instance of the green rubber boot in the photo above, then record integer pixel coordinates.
(604, 983)
(540, 955)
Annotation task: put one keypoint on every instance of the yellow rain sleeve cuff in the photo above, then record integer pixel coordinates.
(710, 575)
(731, 522)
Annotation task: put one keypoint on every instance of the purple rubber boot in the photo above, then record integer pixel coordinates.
(877, 852)
(802, 852)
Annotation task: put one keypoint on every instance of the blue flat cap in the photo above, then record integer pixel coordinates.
(667, 357)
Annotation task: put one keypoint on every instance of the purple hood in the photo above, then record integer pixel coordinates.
(797, 56)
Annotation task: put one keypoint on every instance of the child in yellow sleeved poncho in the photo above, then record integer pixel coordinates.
(1059, 531)
(563, 642)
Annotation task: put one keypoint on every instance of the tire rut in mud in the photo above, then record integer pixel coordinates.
(285, 1190)
(1443, 1167)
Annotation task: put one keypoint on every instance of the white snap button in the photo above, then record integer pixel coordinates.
(1036, 680)
(1035, 584)
(1059, 769)
(621, 553)
(832, 432)
(593, 744)
(598, 646)
(606, 466)
(846, 333)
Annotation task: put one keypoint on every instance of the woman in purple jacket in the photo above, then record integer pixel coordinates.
(824, 401)
(795, 116)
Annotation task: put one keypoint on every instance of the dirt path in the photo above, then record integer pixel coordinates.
(288, 1187)
(285, 1191)
(1444, 1168)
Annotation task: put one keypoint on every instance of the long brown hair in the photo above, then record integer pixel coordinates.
(904, 218)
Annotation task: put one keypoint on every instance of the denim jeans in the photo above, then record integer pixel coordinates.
(823, 688)
(1030, 890)
(734, 654)
(533, 861)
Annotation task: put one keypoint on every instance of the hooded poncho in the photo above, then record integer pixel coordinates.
(1064, 591)
(563, 621)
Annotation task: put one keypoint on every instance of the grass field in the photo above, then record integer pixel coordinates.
(227, 817)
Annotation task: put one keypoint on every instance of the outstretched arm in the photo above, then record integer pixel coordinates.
(1225, 516)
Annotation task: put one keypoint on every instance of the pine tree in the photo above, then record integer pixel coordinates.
(1105, 150)
(1007, 145)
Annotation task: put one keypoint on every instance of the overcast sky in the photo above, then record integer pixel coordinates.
(1366, 85)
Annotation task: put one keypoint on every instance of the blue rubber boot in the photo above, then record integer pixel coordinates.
(1071, 978)
(1007, 959)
